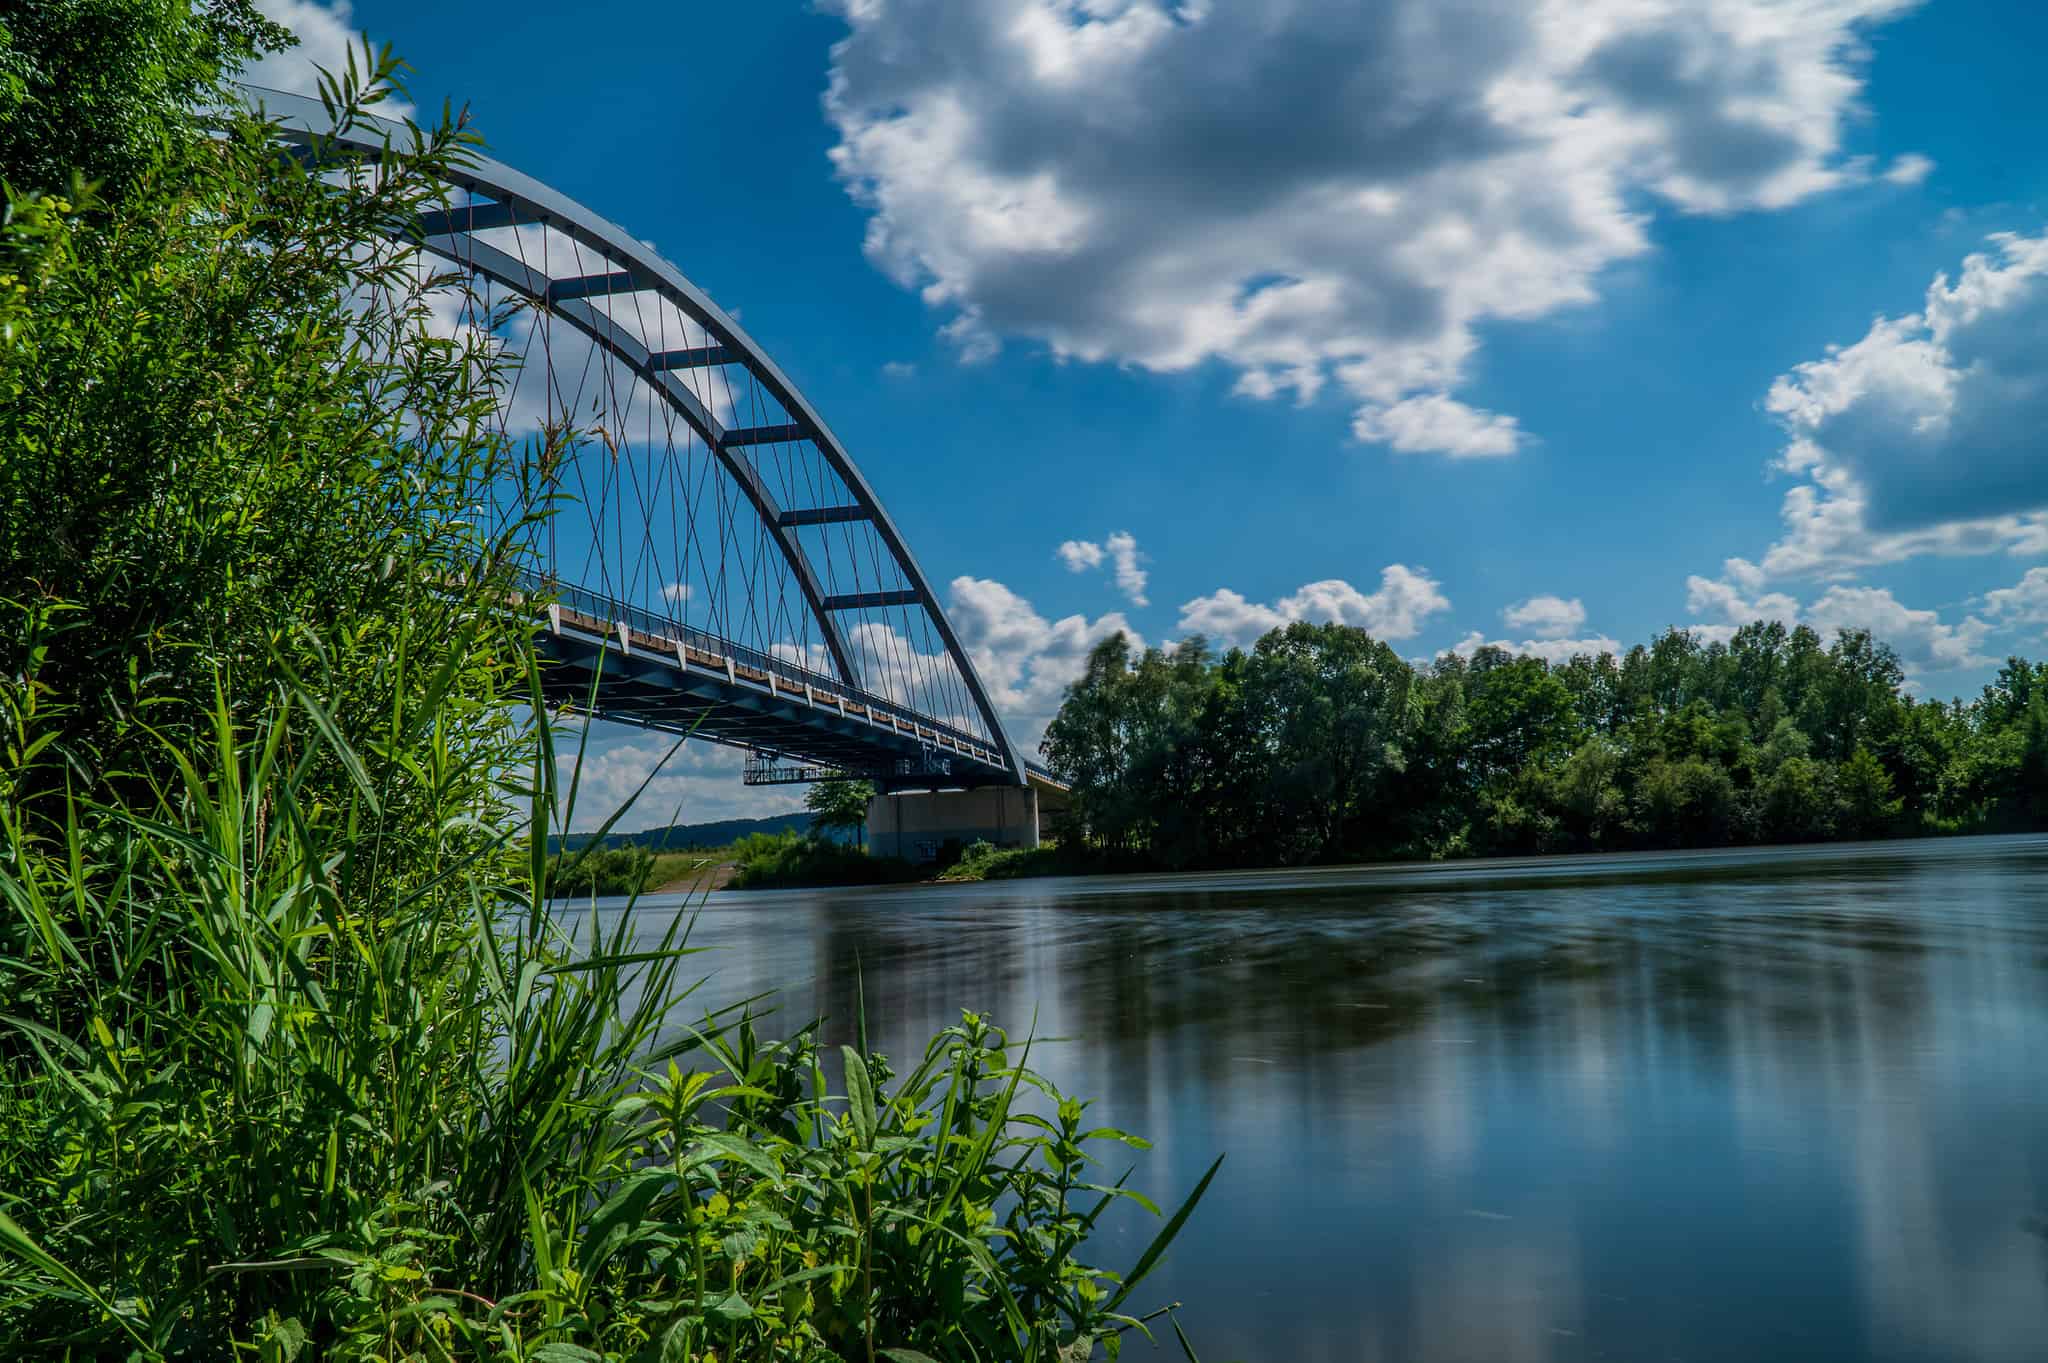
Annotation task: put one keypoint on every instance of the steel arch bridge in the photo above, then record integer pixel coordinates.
(733, 576)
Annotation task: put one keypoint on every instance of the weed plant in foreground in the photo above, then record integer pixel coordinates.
(284, 1100)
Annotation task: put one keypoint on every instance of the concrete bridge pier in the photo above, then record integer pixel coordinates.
(916, 825)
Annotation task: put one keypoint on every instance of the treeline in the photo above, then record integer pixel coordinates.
(1321, 744)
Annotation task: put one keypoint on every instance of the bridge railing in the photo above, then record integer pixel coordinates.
(598, 606)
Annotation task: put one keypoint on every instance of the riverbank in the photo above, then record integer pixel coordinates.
(983, 863)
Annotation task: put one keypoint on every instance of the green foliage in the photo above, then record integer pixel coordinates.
(605, 871)
(776, 860)
(1864, 795)
(985, 861)
(107, 89)
(405, 1116)
(1320, 744)
(839, 806)
(229, 417)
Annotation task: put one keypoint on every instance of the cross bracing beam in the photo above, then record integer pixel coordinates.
(824, 515)
(853, 601)
(510, 198)
(468, 218)
(691, 357)
(763, 435)
(648, 690)
(591, 286)
(637, 662)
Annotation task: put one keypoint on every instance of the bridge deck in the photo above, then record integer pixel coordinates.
(620, 663)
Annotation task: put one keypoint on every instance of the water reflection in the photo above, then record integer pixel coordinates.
(1758, 1105)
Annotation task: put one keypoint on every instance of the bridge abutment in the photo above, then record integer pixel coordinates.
(917, 825)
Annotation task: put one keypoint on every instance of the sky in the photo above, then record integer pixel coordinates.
(1545, 323)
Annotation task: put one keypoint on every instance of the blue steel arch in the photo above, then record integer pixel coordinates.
(516, 199)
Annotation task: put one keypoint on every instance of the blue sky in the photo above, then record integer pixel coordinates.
(1495, 321)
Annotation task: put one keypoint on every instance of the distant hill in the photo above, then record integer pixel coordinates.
(682, 837)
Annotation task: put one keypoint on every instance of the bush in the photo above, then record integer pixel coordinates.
(985, 861)
(606, 871)
(787, 860)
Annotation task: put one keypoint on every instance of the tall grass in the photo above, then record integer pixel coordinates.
(280, 1098)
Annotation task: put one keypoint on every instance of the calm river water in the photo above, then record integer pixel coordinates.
(1757, 1105)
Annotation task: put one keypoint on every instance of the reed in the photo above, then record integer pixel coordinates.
(265, 1094)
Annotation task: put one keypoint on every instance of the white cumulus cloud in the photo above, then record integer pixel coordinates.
(1547, 617)
(1321, 190)
(328, 34)
(1080, 555)
(1909, 169)
(1735, 599)
(1924, 641)
(1125, 560)
(1406, 597)
(1436, 423)
(2023, 603)
(697, 783)
(1025, 660)
(1552, 651)
(1925, 435)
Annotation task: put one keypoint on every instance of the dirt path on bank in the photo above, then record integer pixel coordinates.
(698, 881)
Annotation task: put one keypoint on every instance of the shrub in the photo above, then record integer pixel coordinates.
(607, 871)
(983, 860)
(773, 860)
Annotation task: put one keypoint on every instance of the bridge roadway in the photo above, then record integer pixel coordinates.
(618, 662)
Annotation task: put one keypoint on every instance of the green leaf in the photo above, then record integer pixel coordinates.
(613, 1224)
(1150, 1258)
(738, 1149)
(17, 1242)
(329, 730)
(860, 1096)
(564, 1353)
(282, 1340)
(729, 1309)
(907, 1356)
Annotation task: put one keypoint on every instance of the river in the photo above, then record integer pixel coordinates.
(1778, 1104)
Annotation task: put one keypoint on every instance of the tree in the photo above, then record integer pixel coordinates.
(1333, 705)
(840, 806)
(1088, 742)
(105, 90)
(1516, 711)
(2033, 773)
(1798, 802)
(1864, 795)
(1688, 803)
(1587, 792)
(226, 410)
